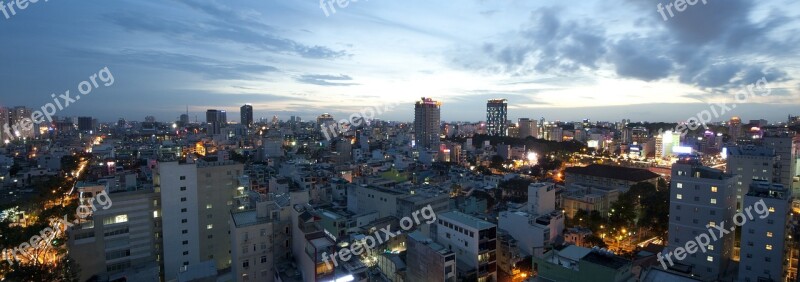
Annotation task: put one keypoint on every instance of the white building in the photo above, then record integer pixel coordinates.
(701, 196)
(764, 256)
(474, 241)
(750, 163)
(540, 225)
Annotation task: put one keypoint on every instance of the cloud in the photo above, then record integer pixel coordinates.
(325, 80)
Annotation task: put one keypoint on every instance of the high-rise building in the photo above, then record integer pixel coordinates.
(735, 129)
(85, 124)
(701, 196)
(4, 124)
(786, 145)
(427, 123)
(216, 119)
(120, 240)
(246, 113)
(528, 128)
(196, 202)
(259, 239)
(764, 252)
(19, 117)
(497, 117)
(749, 163)
(473, 240)
(427, 261)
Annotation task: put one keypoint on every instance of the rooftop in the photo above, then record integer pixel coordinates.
(467, 220)
(615, 172)
(607, 260)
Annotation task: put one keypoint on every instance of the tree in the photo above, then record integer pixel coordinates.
(595, 241)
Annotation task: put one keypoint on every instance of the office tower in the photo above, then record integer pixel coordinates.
(216, 119)
(701, 196)
(473, 240)
(427, 122)
(496, 117)
(749, 163)
(764, 255)
(246, 113)
(122, 238)
(85, 124)
(528, 128)
(196, 202)
(639, 135)
(735, 129)
(428, 261)
(786, 147)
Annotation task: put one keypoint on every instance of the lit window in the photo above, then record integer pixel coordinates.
(712, 224)
(208, 206)
(680, 185)
(714, 189)
(771, 209)
(209, 226)
(710, 258)
(769, 247)
(769, 234)
(115, 219)
(679, 196)
(710, 247)
(713, 201)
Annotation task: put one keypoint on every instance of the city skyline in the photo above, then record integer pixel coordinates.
(554, 61)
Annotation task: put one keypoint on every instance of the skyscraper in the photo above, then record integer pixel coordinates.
(750, 163)
(247, 115)
(4, 123)
(700, 197)
(427, 119)
(786, 145)
(764, 255)
(496, 117)
(216, 119)
(85, 124)
(735, 129)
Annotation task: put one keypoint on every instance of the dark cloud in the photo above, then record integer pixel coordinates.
(326, 80)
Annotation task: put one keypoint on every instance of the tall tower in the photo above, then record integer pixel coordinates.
(427, 122)
(247, 115)
(496, 117)
(735, 129)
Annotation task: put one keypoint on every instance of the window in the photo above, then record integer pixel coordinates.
(185, 231)
(713, 201)
(183, 188)
(209, 226)
(184, 220)
(183, 210)
(183, 177)
(712, 224)
(185, 242)
(122, 218)
(246, 263)
(679, 196)
(680, 185)
(710, 258)
(769, 247)
(714, 189)
(263, 259)
(710, 247)
(769, 234)
(771, 209)
(183, 199)
(208, 206)
(186, 253)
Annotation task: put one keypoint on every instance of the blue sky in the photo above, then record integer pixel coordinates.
(603, 60)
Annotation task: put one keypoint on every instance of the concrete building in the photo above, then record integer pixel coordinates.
(701, 196)
(578, 264)
(538, 226)
(427, 261)
(259, 238)
(497, 117)
(609, 177)
(528, 128)
(122, 241)
(751, 163)
(427, 119)
(786, 145)
(588, 198)
(764, 252)
(246, 115)
(197, 199)
(474, 242)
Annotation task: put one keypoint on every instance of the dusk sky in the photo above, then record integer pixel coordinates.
(602, 60)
